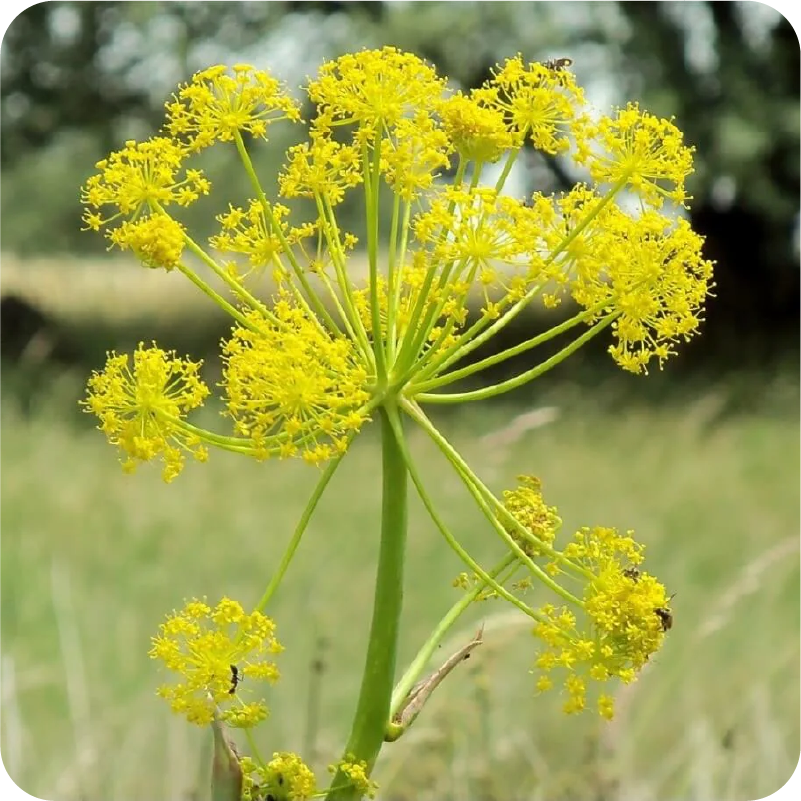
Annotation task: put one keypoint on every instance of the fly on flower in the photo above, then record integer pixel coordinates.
(665, 616)
(558, 64)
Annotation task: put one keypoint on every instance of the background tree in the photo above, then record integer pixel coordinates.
(78, 78)
(741, 111)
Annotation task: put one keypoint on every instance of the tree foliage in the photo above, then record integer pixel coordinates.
(101, 70)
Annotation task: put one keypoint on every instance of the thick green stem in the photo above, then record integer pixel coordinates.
(372, 711)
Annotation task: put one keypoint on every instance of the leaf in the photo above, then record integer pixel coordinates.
(420, 693)
(226, 772)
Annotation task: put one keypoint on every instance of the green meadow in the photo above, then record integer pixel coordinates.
(92, 559)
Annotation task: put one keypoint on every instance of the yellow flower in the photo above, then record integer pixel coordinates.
(624, 608)
(606, 706)
(530, 510)
(219, 653)
(141, 178)
(644, 152)
(214, 106)
(477, 133)
(539, 103)
(286, 777)
(650, 271)
(324, 168)
(251, 233)
(413, 156)
(158, 240)
(373, 89)
(485, 240)
(357, 774)
(570, 222)
(141, 410)
(292, 387)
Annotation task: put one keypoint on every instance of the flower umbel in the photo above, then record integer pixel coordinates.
(215, 105)
(478, 133)
(292, 387)
(539, 102)
(141, 178)
(357, 774)
(540, 521)
(141, 409)
(450, 259)
(250, 233)
(157, 240)
(219, 653)
(621, 606)
(286, 777)
(646, 153)
(650, 271)
(373, 89)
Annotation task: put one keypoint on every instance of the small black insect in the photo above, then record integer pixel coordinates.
(235, 679)
(665, 616)
(557, 64)
(632, 573)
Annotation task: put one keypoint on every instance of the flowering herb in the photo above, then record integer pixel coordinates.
(306, 369)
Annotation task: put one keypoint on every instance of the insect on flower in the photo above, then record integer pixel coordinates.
(557, 64)
(235, 679)
(665, 615)
(665, 618)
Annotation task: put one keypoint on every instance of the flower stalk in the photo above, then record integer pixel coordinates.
(373, 706)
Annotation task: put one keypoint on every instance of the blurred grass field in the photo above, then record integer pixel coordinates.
(92, 560)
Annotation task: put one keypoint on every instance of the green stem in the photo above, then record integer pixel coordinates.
(478, 333)
(491, 508)
(454, 544)
(235, 286)
(371, 182)
(311, 300)
(372, 711)
(216, 297)
(522, 378)
(418, 665)
(503, 355)
(278, 576)
(507, 168)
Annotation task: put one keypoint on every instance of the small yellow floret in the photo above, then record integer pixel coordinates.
(642, 151)
(141, 409)
(219, 653)
(215, 106)
(293, 388)
(142, 178)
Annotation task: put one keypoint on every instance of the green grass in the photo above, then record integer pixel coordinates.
(92, 559)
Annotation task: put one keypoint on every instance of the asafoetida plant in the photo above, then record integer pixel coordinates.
(306, 369)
